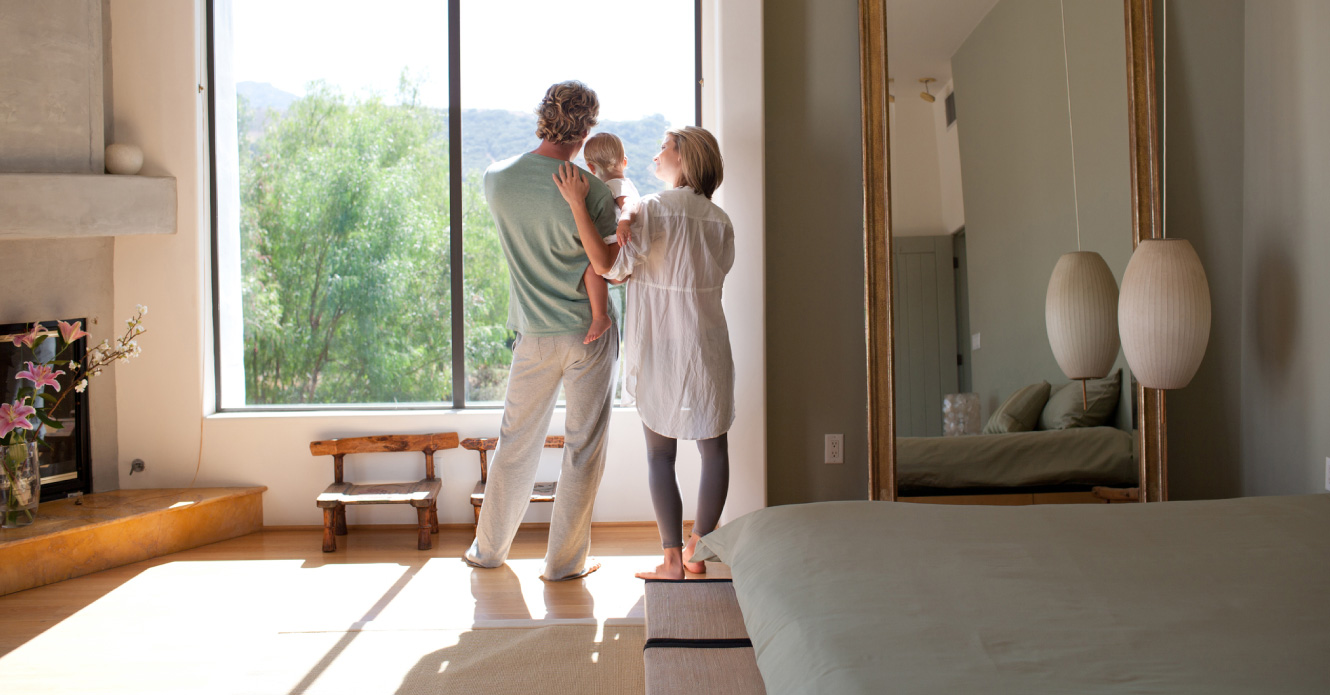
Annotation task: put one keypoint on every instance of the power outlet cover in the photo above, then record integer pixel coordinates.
(835, 449)
(1327, 473)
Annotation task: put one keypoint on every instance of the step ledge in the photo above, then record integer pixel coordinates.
(212, 515)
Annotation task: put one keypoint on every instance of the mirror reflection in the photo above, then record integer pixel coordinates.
(1011, 227)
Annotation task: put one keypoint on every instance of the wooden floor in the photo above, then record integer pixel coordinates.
(273, 605)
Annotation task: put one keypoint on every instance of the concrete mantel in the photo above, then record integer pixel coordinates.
(52, 206)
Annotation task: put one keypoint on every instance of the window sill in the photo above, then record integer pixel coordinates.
(375, 413)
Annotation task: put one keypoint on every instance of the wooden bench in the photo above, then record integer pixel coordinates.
(542, 492)
(421, 494)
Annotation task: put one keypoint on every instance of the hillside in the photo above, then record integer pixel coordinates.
(489, 135)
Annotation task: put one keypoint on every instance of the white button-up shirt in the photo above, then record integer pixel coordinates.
(678, 367)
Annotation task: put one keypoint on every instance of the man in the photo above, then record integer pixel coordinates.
(549, 310)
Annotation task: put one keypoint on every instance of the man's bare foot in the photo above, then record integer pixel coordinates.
(671, 568)
(598, 328)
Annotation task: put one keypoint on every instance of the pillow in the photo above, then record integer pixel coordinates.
(1020, 412)
(1064, 409)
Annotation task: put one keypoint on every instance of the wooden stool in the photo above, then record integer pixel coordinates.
(422, 494)
(542, 492)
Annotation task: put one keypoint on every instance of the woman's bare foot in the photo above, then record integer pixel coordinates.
(688, 550)
(672, 568)
(598, 328)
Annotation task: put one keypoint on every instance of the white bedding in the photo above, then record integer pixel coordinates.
(1226, 596)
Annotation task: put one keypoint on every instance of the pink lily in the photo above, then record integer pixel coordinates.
(14, 416)
(27, 339)
(71, 332)
(41, 375)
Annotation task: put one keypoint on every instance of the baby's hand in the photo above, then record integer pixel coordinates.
(624, 232)
(572, 184)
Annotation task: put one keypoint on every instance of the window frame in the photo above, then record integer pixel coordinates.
(456, 269)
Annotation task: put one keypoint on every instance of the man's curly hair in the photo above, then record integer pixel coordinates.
(567, 113)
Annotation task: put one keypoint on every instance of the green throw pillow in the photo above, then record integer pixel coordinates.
(1020, 412)
(1064, 409)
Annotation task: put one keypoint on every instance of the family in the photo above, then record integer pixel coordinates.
(565, 233)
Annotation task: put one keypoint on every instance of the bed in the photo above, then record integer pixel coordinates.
(1078, 457)
(1227, 596)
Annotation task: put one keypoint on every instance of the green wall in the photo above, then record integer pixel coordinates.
(1016, 169)
(816, 373)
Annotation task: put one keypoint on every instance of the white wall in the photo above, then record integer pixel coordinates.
(916, 193)
(950, 191)
(925, 166)
(165, 398)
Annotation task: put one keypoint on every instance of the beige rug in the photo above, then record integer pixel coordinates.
(558, 659)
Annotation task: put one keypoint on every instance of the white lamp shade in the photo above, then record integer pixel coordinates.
(1081, 312)
(1164, 313)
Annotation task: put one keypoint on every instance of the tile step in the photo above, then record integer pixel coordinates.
(71, 538)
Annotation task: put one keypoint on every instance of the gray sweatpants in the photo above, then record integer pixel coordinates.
(540, 364)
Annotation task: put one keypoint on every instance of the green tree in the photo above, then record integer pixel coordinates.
(344, 242)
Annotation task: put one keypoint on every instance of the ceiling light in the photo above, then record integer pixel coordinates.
(925, 95)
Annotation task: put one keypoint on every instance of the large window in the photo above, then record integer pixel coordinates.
(356, 261)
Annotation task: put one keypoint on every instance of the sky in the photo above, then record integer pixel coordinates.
(636, 54)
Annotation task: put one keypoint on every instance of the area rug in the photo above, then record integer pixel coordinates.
(583, 659)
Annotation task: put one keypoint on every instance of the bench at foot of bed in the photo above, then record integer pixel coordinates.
(696, 636)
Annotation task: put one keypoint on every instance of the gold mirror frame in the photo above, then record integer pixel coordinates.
(1146, 167)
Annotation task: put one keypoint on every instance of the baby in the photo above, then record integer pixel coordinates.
(605, 158)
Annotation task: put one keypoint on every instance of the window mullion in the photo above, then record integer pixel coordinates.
(458, 310)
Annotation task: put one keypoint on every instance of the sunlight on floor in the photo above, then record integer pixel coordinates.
(312, 624)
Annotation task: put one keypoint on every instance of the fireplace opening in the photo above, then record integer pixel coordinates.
(65, 459)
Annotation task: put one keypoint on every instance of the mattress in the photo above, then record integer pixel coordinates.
(1226, 596)
(1077, 456)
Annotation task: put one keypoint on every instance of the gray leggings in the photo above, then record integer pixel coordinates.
(715, 483)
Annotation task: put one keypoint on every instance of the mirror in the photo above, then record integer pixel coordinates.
(1005, 152)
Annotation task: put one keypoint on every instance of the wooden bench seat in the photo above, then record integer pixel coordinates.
(540, 492)
(422, 494)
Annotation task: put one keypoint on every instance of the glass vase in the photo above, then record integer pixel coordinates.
(960, 414)
(20, 486)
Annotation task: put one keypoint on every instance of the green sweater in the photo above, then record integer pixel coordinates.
(539, 237)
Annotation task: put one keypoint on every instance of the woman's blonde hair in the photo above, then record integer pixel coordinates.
(605, 150)
(567, 112)
(699, 155)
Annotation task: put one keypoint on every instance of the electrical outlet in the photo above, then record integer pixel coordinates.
(1327, 473)
(835, 448)
(974, 341)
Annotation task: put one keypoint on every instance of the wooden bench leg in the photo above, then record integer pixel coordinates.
(329, 539)
(422, 516)
(476, 508)
(340, 521)
(434, 518)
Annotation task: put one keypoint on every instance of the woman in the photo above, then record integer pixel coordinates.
(677, 250)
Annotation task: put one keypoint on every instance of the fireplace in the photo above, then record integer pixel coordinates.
(65, 460)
